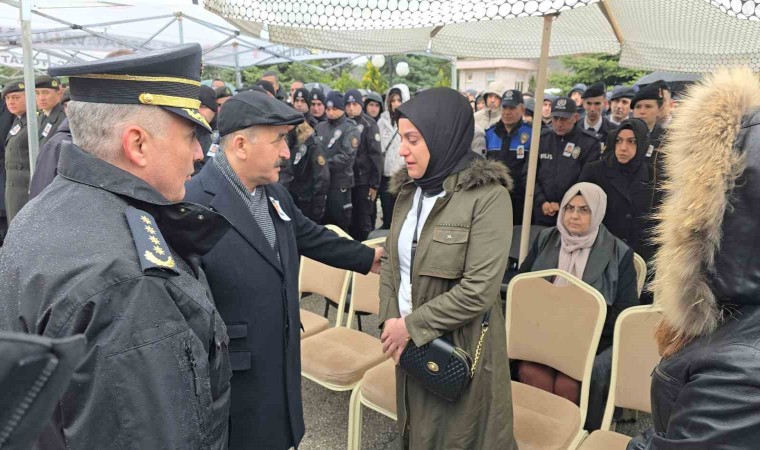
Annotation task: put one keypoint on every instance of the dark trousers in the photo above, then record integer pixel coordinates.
(361, 213)
(338, 208)
(387, 202)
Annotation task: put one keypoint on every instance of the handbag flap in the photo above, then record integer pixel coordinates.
(438, 356)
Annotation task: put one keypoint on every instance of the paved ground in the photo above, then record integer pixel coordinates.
(326, 412)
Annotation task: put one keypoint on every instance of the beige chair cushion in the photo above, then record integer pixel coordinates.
(340, 356)
(542, 420)
(605, 440)
(312, 323)
(379, 386)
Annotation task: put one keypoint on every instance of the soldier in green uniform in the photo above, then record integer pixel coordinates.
(16, 150)
(51, 113)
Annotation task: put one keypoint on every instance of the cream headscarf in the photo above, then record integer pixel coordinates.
(575, 250)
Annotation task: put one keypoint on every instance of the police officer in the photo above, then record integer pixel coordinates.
(16, 150)
(307, 176)
(111, 252)
(594, 99)
(301, 103)
(223, 93)
(317, 105)
(509, 142)
(368, 168)
(373, 105)
(51, 112)
(563, 152)
(341, 140)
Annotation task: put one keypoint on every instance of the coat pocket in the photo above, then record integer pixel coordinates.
(445, 259)
(240, 356)
(665, 391)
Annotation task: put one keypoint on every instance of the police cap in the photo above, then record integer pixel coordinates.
(222, 92)
(595, 90)
(46, 82)
(251, 108)
(512, 98)
(317, 94)
(208, 98)
(169, 78)
(352, 96)
(303, 94)
(564, 107)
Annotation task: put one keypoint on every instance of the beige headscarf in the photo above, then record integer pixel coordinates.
(575, 250)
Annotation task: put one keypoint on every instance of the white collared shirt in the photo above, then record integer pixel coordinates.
(595, 126)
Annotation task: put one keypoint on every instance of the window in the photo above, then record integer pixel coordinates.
(468, 77)
(490, 76)
(519, 85)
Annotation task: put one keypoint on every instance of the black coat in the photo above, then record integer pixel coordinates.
(48, 125)
(307, 176)
(47, 161)
(603, 133)
(257, 296)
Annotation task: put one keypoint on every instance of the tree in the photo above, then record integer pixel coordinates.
(593, 68)
(444, 79)
(346, 82)
(373, 79)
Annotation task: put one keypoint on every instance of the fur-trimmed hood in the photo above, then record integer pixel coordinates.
(303, 132)
(708, 263)
(481, 172)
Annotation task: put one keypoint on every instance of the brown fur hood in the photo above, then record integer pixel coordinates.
(481, 172)
(702, 167)
(303, 132)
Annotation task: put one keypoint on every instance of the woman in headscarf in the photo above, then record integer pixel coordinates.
(583, 247)
(389, 143)
(453, 207)
(626, 179)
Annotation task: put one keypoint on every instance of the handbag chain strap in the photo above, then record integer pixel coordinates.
(483, 329)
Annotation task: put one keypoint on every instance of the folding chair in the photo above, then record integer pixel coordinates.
(377, 391)
(634, 356)
(559, 327)
(365, 291)
(641, 272)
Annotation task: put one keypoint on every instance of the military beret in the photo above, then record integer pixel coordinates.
(13, 86)
(317, 94)
(169, 78)
(208, 98)
(564, 107)
(530, 105)
(223, 91)
(267, 86)
(595, 90)
(352, 96)
(302, 93)
(550, 98)
(580, 87)
(251, 108)
(649, 92)
(46, 82)
(335, 100)
(622, 92)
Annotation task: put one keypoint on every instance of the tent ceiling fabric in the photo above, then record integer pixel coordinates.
(674, 35)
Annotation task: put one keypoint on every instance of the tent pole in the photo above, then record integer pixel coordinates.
(238, 77)
(181, 29)
(25, 12)
(536, 136)
(454, 73)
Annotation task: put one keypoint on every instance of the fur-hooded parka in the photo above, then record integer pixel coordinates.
(708, 261)
(480, 173)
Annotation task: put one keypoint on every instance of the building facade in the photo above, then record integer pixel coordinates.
(513, 73)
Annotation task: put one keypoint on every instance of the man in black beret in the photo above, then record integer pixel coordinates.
(253, 271)
(110, 251)
(48, 91)
(647, 105)
(594, 100)
(223, 93)
(208, 110)
(267, 87)
(620, 104)
(16, 150)
(317, 103)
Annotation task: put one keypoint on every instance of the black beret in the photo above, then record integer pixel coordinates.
(13, 86)
(223, 91)
(649, 92)
(622, 92)
(352, 96)
(335, 100)
(267, 86)
(251, 108)
(564, 107)
(46, 82)
(595, 90)
(169, 78)
(317, 94)
(530, 106)
(208, 98)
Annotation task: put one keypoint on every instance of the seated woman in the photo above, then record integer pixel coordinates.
(582, 246)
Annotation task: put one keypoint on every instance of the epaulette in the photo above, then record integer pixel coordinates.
(151, 246)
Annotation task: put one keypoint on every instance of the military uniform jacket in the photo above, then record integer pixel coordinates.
(511, 149)
(307, 177)
(103, 254)
(47, 161)
(341, 140)
(603, 133)
(16, 167)
(257, 296)
(48, 125)
(368, 165)
(560, 161)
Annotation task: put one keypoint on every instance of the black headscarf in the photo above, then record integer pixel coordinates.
(444, 118)
(641, 132)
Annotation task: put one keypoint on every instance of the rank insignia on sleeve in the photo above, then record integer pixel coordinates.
(151, 246)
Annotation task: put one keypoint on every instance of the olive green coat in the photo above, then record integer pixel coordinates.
(461, 257)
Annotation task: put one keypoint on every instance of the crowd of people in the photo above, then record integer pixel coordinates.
(165, 221)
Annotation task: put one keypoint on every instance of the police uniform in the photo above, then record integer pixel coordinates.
(317, 94)
(560, 161)
(341, 139)
(368, 170)
(307, 176)
(16, 159)
(305, 95)
(512, 148)
(48, 124)
(104, 254)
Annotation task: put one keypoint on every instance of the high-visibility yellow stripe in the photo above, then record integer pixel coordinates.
(110, 76)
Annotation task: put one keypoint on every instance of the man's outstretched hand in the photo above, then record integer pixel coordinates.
(379, 251)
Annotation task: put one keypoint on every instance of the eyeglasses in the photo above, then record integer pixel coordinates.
(582, 210)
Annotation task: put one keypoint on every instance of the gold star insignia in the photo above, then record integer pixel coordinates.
(154, 240)
(145, 220)
(150, 229)
(158, 250)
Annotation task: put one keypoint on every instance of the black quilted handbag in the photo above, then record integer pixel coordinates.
(442, 368)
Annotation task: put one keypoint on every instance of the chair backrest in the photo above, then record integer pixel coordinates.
(365, 289)
(641, 272)
(634, 356)
(327, 281)
(556, 326)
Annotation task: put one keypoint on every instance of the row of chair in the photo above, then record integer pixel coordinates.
(342, 359)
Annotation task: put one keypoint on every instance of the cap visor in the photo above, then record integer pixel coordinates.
(510, 103)
(563, 114)
(193, 115)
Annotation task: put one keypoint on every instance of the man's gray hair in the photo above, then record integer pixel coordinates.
(97, 127)
(250, 133)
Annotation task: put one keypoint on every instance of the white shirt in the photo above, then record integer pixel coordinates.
(405, 247)
(595, 126)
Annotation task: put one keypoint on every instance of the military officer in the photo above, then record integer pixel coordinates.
(111, 252)
(647, 105)
(341, 138)
(317, 105)
(368, 167)
(16, 150)
(563, 152)
(509, 142)
(594, 99)
(620, 104)
(223, 93)
(48, 93)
